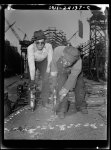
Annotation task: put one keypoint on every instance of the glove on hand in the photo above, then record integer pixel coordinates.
(63, 92)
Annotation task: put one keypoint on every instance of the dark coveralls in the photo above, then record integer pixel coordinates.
(41, 66)
(79, 88)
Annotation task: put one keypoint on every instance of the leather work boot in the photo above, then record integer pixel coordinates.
(61, 115)
(72, 108)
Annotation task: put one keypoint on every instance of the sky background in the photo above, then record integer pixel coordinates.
(31, 20)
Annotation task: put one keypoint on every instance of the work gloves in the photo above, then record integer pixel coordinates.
(62, 93)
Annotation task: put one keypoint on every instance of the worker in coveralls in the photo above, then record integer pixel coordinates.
(66, 75)
(39, 56)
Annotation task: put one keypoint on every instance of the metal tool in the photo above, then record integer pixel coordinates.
(54, 101)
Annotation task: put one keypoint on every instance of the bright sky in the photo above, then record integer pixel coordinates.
(31, 20)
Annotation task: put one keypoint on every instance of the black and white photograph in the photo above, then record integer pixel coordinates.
(56, 72)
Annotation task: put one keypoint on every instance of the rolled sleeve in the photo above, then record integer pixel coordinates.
(71, 81)
(31, 62)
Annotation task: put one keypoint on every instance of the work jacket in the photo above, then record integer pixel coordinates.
(72, 72)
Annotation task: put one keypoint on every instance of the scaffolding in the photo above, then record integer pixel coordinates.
(94, 51)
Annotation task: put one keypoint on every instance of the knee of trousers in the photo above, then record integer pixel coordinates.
(63, 106)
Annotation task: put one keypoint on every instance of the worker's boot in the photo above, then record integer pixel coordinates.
(82, 109)
(72, 108)
(61, 115)
(62, 109)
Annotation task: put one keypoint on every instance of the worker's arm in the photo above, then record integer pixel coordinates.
(71, 81)
(31, 62)
(50, 54)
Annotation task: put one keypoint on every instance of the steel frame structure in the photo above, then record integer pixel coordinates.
(94, 52)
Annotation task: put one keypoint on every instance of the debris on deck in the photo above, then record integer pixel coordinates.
(44, 124)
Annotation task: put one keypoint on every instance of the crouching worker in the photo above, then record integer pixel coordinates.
(66, 75)
(39, 56)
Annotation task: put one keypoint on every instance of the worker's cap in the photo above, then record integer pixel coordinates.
(71, 53)
(38, 35)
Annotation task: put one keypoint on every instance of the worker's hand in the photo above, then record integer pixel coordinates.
(61, 98)
(63, 92)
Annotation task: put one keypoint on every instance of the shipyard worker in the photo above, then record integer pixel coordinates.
(66, 75)
(39, 55)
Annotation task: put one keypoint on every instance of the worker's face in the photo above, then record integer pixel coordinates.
(40, 44)
(66, 62)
